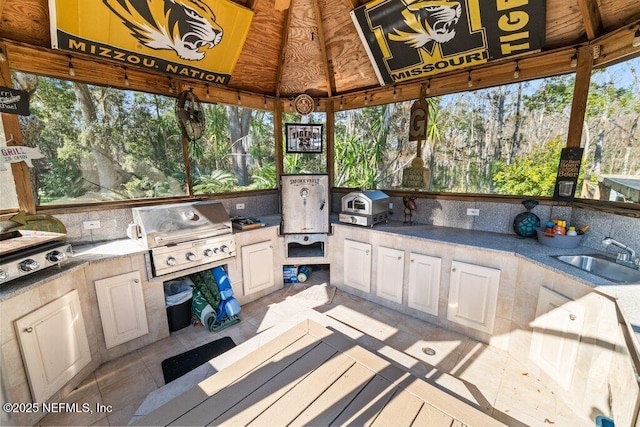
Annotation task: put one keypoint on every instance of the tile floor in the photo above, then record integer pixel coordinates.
(483, 376)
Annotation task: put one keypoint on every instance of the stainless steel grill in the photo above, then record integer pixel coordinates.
(23, 252)
(180, 236)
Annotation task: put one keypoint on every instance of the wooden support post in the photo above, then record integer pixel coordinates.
(24, 189)
(580, 95)
(330, 119)
(277, 128)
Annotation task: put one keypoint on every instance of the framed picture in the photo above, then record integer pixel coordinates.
(303, 138)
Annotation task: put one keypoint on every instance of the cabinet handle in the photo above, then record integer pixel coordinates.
(367, 252)
(453, 269)
(136, 281)
(29, 329)
(399, 257)
(572, 316)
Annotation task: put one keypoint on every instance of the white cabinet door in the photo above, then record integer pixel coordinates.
(54, 345)
(473, 296)
(556, 335)
(390, 277)
(122, 309)
(357, 265)
(424, 283)
(257, 267)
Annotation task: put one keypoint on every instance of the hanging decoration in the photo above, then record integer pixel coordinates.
(417, 176)
(304, 138)
(304, 104)
(14, 101)
(406, 40)
(194, 39)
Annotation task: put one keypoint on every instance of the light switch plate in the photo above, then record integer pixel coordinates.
(473, 212)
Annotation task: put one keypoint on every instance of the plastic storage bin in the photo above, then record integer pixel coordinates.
(558, 240)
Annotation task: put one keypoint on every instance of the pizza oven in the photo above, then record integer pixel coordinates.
(365, 208)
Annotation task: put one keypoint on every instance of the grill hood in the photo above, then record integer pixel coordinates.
(179, 222)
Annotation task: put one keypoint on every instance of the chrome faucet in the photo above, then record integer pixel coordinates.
(629, 259)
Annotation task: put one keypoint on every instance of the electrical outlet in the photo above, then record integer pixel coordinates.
(239, 206)
(390, 205)
(90, 225)
(473, 212)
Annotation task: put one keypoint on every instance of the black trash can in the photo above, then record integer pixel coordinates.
(178, 295)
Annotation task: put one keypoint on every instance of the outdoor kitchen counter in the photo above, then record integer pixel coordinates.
(627, 295)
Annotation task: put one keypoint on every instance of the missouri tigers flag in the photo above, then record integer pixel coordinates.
(200, 39)
(409, 39)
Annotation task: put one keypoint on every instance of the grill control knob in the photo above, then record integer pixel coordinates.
(55, 256)
(216, 250)
(171, 261)
(224, 248)
(190, 256)
(354, 220)
(4, 275)
(28, 265)
(208, 252)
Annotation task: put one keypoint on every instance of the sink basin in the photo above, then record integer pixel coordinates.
(602, 266)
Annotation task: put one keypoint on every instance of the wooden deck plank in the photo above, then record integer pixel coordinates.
(432, 417)
(401, 410)
(257, 400)
(457, 409)
(311, 375)
(367, 404)
(334, 399)
(289, 406)
(225, 398)
(292, 339)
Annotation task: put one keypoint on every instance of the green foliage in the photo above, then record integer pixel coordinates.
(217, 181)
(531, 174)
(264, 177)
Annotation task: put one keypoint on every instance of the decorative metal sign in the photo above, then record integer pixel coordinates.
(195, 39)
(14, 101)
(18, 153)
(568, 171)
(418, 122)
(304, 104)
(303, 138)
(409, 39)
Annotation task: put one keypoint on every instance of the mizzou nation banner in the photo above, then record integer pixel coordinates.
(409, 39)
(199, 39)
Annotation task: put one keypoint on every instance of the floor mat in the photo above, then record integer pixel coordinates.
(176, 366)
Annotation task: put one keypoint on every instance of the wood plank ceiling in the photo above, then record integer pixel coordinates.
(312, 46)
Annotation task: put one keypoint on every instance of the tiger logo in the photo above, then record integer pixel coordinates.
(433, 21)
(184, 26)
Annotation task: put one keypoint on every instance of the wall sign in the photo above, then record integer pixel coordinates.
(14, 101)
(303, 138)
(418, 121)
(18, 153)
(409, 39)
(196, 39)
(568, 171)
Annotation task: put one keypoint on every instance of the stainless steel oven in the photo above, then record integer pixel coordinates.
(365, 208)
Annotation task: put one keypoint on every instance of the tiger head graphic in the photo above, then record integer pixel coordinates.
(432, 21)
(184, 26)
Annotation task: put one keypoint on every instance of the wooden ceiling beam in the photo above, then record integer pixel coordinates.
(329, 77)
(591, 17)
(283, 50)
